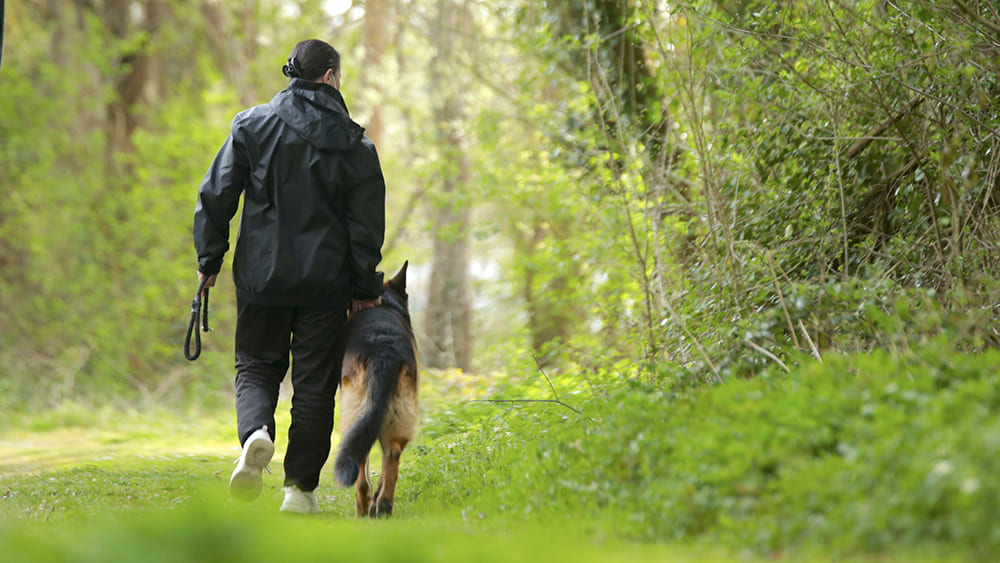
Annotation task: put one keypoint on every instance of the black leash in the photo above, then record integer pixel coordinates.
(196, 308)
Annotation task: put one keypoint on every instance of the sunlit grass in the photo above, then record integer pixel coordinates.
(159, 497)
(151, 484)
(211, 528)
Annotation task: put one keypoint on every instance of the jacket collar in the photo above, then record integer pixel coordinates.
(316, 111)
(319, 92)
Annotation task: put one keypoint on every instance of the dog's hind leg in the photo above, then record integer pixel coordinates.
(364, 491)
(372, 512)
(392, 450)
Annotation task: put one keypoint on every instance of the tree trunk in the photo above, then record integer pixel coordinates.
(449, 307)
(122, 119)
(548, 320)
(249, 72)
(375, 35)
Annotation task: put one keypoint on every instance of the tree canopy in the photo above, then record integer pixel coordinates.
(628, 188)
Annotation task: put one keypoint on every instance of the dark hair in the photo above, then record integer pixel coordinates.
(310, 59)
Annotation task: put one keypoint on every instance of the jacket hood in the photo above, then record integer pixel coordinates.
(317, 112)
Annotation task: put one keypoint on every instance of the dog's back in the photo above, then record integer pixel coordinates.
(378, 398)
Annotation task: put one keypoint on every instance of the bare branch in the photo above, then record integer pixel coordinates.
(768, 354)
(812, 345)
(882, 127)
(546, 376)
(553, 401)
(979, 19)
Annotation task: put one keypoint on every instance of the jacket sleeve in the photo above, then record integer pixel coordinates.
(365, 211)
(218, 199)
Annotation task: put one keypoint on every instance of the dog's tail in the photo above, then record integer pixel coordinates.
(381, 379)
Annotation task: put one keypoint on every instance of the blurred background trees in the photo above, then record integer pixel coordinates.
(604, 187)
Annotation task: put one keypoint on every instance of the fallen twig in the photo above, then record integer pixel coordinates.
(546, 376)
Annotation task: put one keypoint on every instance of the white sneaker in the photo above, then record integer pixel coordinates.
(299, 501)
(246, 482)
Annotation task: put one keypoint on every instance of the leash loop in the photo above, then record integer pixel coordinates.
(197, 305)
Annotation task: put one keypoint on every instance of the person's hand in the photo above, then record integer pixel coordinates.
(358, 305)
(209, 283)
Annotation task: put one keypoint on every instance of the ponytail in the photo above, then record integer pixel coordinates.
(310, 59)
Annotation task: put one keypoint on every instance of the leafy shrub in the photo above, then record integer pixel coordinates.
(860, 453)
(852, 316)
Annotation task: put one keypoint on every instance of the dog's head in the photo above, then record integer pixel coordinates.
(394, 293)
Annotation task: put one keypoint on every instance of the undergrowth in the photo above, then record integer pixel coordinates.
(880, 453)
(858, 454)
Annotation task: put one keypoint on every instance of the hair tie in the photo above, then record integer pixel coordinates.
(291, 70)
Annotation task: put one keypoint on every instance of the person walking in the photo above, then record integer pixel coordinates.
(309, 242)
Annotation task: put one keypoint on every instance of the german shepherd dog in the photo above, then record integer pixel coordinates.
(378, 394)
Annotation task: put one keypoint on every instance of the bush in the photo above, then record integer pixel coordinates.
(860, 453)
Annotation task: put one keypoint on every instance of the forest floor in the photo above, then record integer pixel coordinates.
(79, 484)
(154, 488)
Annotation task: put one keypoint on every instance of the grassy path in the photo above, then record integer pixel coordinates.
(152, 486)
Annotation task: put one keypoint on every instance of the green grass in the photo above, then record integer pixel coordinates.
(173, 506)
(865, 458)
(211, 528)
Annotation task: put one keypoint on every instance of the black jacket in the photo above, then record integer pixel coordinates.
(313, 218)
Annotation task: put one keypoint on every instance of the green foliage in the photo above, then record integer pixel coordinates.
(97, 265)
(853, 316)
(664, 198)
(209, 529)
(859, 454)
(136, 491)
(793, 100)
(655, 207)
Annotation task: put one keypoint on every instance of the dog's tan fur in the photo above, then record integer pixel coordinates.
(400, 428)
(378, 392)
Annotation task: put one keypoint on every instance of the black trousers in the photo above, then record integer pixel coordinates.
(264, 337)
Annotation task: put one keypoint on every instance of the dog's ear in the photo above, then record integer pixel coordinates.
(398, 282)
